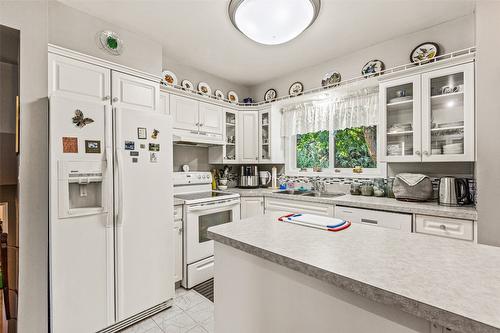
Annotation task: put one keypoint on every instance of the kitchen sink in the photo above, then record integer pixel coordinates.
(323, 195)
(294, 192)
(312, 194)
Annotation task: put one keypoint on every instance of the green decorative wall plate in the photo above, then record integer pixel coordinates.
(110, 42)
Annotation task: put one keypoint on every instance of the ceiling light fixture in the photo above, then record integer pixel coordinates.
(273, 22)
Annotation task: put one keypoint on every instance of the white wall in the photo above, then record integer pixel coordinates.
(488, 119)
(76, 30)
(453, 35)
(195, 75)
(31, 18)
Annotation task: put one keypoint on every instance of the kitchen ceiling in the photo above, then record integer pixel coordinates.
(199, 33)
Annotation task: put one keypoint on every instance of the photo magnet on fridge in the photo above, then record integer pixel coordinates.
(92, 146)
(129, 145)
(142, 133)
(155, 133)
(154, 147)
(134, 159)
(153, 157)
(143, 146)
(134, 153)
(70, 145)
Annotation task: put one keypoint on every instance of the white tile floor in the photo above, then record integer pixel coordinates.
(191, 313)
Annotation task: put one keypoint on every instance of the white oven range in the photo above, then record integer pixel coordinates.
(203, 208)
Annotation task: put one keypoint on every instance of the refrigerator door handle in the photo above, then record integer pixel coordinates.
(108, 159)
(119, 168)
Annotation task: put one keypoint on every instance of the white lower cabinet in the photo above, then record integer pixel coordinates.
(178, 235)
(251, 206)
(446, 227)
(285, 206)
(376, 218)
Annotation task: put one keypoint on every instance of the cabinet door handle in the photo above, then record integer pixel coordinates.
(201, 125)
(442, 227)
(197, 124)
(417, 152)
(426, 153)
(369, 221)
(106, 98)
(115, 99)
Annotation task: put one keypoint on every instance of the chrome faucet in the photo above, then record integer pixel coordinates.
(319, 186)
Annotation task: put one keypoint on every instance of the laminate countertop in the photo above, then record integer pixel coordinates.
(454, 284)
(377, 203)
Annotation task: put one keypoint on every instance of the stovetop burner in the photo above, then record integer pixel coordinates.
(200, 195)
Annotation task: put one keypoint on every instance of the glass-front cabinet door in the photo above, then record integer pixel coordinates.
(400, 119)
(231, 136)
(264, 135)
(448, 114)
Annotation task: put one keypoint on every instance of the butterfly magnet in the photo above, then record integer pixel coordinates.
(79, 120)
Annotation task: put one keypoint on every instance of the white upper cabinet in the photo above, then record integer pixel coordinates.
(227, 153)
(184, 112)
(210, 118)
(448, 114)
(76, 79)
(249, 136)
(135, 93)
(271, 143)
(265, 135)
(164, 103)
(429, 117)
(400, 119)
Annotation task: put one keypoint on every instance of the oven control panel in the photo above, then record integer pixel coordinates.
(195, 177)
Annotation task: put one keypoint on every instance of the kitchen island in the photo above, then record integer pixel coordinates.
(273, 276)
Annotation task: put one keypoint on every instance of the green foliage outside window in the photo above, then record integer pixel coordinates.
(313, 150)
(354, 147)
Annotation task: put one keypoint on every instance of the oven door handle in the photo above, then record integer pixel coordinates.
(212, 205)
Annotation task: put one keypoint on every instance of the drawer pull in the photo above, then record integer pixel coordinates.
(347, 211)
(369, 221)
(442, 227)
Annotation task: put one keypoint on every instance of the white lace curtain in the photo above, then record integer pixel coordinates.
(353, 110)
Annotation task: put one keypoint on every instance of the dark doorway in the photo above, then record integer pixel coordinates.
(9, 167)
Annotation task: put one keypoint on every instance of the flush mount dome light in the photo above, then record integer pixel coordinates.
(273, 22)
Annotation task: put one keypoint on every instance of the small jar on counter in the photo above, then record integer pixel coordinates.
(355, 188)
(390, 183)
(379, 187)
(367, 189)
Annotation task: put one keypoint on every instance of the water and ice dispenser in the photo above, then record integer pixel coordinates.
(81, 188)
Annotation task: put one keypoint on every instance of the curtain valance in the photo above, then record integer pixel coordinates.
(356, 109)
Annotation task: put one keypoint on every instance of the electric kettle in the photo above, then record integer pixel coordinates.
(454, 192)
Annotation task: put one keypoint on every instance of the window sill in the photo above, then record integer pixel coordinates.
(344, 173)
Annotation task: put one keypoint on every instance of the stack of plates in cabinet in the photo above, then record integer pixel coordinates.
(454, 148)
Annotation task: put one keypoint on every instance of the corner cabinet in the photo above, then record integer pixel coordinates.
(248, 136)
(271, 143)
(429, 117)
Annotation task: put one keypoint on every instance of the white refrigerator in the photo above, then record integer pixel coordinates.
(111, 215)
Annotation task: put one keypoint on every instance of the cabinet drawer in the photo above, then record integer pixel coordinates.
(441, 226)
(295, 206)
(178, 212)
(377, 218)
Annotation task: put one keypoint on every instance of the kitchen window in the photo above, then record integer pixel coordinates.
(334, 138)
(339, 152)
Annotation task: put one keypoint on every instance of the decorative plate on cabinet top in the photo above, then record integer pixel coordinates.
(218, 94)
(331, 79)
(372, 68)
(296, 89)
(169, 77)
(232, 97)
(187, 85)
(270, 95)
(424, 53)
(204, 88)
(110, 42)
